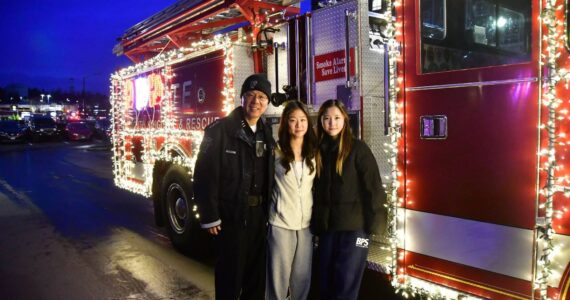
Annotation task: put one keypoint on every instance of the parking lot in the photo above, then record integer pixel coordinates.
(43, 128)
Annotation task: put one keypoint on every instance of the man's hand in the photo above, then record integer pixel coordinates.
(215, 230)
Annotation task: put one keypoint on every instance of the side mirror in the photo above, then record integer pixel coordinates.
(278, 98)
(290, 93)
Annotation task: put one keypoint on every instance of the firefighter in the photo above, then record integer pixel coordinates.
(349, 203)
(232, 180)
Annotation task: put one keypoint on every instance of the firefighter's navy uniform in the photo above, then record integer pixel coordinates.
(232, 180)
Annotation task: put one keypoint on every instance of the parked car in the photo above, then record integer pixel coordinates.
(13, 131)
(60, 126)
(42, 127)
(78, 131)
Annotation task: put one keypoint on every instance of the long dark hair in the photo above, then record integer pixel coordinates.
(309, 148)
(345, 135)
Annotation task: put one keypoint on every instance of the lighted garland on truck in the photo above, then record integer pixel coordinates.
(168, 128)
(554, 41)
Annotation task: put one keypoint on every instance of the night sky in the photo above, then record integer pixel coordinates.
(46, 43)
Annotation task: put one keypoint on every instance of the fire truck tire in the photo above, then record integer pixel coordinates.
(178, 208)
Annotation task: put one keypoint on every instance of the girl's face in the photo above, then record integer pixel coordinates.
(332, 121)
(298, 123)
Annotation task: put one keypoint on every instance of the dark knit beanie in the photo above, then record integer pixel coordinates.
(256, 82)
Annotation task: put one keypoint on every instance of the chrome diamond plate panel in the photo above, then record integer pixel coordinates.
(243, 67)
(328, 35)
(372, 90)
(372, 78)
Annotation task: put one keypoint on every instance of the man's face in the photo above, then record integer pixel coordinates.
(255, 104)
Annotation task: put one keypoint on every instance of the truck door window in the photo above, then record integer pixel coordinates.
(480, 33)
(433, 15)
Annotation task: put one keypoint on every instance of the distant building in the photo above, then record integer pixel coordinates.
(22, 110)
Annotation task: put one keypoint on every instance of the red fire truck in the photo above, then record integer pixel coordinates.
(464, 103)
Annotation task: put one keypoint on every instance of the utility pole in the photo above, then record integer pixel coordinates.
(83, 95)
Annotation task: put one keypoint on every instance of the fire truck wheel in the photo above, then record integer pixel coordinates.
(178, 207)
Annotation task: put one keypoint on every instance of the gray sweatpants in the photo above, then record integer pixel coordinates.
(289, 263)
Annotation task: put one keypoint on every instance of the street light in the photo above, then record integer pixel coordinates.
(48, 96)
(42, 100)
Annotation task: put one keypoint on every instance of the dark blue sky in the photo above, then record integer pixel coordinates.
(46, 43)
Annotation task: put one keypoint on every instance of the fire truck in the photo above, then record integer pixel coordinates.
(464, 103)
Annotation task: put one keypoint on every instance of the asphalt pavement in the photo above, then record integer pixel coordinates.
(69, 233)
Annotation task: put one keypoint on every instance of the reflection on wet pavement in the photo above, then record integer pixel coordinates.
(69, 233)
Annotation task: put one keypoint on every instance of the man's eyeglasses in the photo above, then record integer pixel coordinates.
(253, 96)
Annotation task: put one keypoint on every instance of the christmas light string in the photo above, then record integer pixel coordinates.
(395, 134)
(167, 130)
(553, 41)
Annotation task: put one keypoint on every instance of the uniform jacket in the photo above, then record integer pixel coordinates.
(355, 201)
(291, 204)
(224, 169)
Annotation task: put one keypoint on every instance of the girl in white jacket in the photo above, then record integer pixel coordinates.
(289, 237)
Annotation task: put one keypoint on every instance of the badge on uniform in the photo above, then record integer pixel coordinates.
(259, 148)
(362, 242)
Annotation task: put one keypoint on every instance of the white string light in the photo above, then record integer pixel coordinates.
(160, 138)
(553, 42)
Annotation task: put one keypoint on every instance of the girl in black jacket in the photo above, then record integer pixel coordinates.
(349, 203)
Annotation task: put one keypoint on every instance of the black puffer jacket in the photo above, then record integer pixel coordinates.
(354, 201)
(224, 169)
